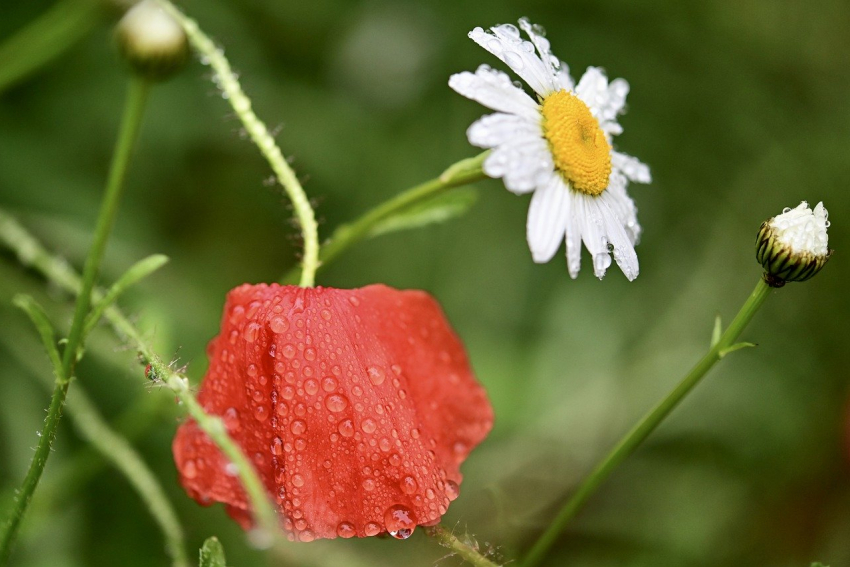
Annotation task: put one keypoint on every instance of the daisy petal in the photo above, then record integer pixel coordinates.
(504, 42)
(538, 38)
(547, 219)
(496, 129)
(589, 216)
(634, 169)
(606, 101)
(522, 164)
(619, 201)
(494, 90)
(573, 240)
(624, 250)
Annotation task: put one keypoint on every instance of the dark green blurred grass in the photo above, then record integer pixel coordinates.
(740, 109)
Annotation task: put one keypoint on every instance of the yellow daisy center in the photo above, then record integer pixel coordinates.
(580, 150)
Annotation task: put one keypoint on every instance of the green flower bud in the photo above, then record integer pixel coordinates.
(793, 246)
(151, 41)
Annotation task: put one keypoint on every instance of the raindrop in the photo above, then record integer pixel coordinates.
(369, 425)
(399, 521)
(368, 485)
(189, 469)
(231, 420)
(376, 375)
(278, 325)
(372, 529)
(298, 427)
(452, 490)
(409, 485)
(277, 446)
(311, 387)
(346, 530)
(288, 351)
(336, 402)
(297, 480)
(346, 428)
(306, 536)
(329, 384)
(514, 61)
(261, 413)
(354, 301)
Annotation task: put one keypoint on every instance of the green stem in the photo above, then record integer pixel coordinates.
(51, 34)
(31, 253)
(344, 237)
(468, 552)
(226, 80)
(646, 426)
(131, 120)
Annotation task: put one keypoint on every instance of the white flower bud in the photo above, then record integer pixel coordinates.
(794, 246)
(152, 41)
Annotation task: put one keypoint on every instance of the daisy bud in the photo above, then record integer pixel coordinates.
(356, 406)
(151, 41)
(793, 246)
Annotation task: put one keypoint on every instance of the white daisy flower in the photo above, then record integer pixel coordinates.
(559, 147)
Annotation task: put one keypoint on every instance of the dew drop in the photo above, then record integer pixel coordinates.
(346, 428)
(369, 425)
(346, 530)
(298, 427)
(408, 485)
(354, 301)
(252, 330)
(399, 521)
(311, 387)
(189, 469)
(297, 480)
(452, 490)
(252, 370)
(261, 413)
(329, 384)
(368, 485)
(326, 315)
(376, 375)
(288, 351)
(306, 536)
(278, 325)
(231, 420)
(336, 402)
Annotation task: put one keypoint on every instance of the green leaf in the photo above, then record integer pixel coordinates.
(45, 330)
(212, 554)
(137, 272)
(818, 564)
(718, 330)
(439, 208)
(733, 348)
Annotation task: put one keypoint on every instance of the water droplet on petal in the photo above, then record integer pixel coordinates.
(346, 530)
(231, 420)
(278, 325)
(336, 402)
(399, 521)
(298, 427)
(372, 529)
(409, 485)
(346, 428)
(189, 469)
(452, 490)
(369, 425)
(376, 375)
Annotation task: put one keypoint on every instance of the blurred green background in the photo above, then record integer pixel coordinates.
(740, 109)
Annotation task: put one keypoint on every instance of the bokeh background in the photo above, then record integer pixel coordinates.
(740, 108)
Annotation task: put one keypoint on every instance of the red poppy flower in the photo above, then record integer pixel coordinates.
(357, 408)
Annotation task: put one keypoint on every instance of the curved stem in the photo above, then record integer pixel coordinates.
(226, 80)
(344, 237)
(31, 253)
(646, 426)
(468, 552)
(131, 120)
(47, 37)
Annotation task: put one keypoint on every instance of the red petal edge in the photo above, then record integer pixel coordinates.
(357, 408)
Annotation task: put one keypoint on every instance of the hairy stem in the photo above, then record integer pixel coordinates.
(632, 440)
(31, 253)
(226, 80)
(131, 120)
(344, 237)
(468, 552)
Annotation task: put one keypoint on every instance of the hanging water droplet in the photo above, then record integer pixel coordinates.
(399, 521)
(346, 530)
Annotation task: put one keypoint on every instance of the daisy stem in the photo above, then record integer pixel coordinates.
(31, 253)
(345, 236)
(469, 553)
(130, 122)
(227, 81)
(647, 425)
(47, 37)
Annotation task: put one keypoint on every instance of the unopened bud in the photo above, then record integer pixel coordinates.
(794, 246)
(152, 41)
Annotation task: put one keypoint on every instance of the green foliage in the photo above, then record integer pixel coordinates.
(45, 330)
(212, 554)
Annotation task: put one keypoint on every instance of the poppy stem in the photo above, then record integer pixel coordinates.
(227, 81)
(721, 346)
(468, 552)
(31, 253)
(47, 37)
(130, 123)
(345, 236)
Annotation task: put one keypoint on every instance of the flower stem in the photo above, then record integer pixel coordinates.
(468, 552)
(31, 253)
(131, 120)
(344, 237)
(47, 37)
(646, 426)
(226, 80)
